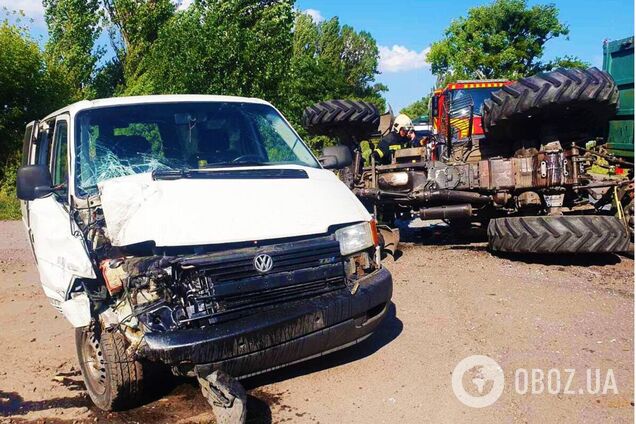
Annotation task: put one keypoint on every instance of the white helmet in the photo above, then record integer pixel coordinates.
(402, 122)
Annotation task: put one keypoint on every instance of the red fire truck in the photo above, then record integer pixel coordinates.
(450, 107)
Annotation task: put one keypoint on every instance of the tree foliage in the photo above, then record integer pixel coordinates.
(29, 89)
(235, 47)
(504, 39)
(259, 48)
(253, 48)
(418, 108)
(73, 29)
(330, 61)
(133, 27)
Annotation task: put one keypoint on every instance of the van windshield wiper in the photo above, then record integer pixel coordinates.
(172, 174)
(234, 164)
(207, 172)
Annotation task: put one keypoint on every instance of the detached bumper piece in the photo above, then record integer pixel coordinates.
(291, 332)
(225, 395)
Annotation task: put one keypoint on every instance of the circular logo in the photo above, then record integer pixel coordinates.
(263, 263)
(483, 376)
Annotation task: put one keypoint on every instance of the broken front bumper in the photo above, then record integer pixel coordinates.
(286, 334)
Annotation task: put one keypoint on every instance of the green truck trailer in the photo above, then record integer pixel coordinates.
(618, 60)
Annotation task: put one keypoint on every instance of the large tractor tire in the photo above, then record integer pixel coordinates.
(566, 105)
(349, 118)
(558, 234)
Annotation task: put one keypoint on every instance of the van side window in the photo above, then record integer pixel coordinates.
(43, 144)
(26, 144)
(59, 160)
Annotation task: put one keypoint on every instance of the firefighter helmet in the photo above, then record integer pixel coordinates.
(402, 122)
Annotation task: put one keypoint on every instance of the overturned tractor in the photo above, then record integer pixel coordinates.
(525, 176)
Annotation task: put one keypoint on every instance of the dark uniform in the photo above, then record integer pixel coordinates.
(388, 144)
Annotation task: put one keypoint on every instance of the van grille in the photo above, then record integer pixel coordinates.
(227, 285)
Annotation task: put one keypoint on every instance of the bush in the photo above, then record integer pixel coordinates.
(9, 206)
(9, 203)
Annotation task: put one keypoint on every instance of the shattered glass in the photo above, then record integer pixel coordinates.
(105, 165)
(124, 140)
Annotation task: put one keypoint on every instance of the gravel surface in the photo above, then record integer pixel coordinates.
(452, 299)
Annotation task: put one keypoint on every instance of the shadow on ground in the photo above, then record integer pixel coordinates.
(437, 233)
(589, 259)
(13, 404)
(386, 332)
(260, 402)
(475, 238)
(170, 398)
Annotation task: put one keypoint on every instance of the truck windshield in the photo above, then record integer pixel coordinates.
(479, 96)
(130, 139)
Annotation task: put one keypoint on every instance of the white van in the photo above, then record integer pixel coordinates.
(197, 231)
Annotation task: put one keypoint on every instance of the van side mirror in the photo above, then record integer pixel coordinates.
(33, 182)
(336, 157)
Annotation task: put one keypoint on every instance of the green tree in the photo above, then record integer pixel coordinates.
(260, 48)
(133, 27)
(28, 90)
(504, 39)
(237, 47)
(73, 30)
(418, 108)
(330, 61)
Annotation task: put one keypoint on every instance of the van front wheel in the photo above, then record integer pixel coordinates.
(113, 379)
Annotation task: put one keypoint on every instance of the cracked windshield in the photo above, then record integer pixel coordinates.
(126, 140)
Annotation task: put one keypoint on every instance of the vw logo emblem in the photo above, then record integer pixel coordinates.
(263, 263)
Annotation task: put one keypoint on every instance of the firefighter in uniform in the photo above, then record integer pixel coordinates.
(395, 140)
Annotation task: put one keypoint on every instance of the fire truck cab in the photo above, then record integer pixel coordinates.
(450, 107)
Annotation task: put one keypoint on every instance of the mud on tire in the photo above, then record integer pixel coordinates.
(558, 234)
(336, 117)
(570, 104)
(113, 379)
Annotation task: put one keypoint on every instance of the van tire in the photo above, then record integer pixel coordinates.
(117, 384)
(558, 234)
(337, 117)
(569, 104)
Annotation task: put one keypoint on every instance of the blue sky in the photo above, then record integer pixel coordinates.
(404, 29)
(414, 24)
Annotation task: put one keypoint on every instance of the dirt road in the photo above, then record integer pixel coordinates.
(451, 301)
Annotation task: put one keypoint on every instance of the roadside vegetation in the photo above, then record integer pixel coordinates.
(503, 39)
(254, 48)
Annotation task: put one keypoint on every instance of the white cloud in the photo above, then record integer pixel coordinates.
(315, 15)
(33, 9)
(183, 4)
(399, 58)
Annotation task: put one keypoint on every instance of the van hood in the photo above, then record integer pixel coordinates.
(226, 205)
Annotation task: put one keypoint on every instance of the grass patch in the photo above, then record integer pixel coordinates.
(9, 206)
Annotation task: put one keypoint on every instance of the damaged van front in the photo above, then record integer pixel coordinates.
(195, 231)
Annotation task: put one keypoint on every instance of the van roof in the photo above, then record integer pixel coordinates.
(164, 98)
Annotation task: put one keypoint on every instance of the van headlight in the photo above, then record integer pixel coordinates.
(355, 238)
